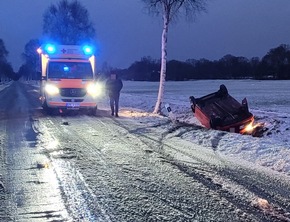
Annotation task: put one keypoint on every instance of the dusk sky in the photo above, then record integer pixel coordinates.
(125, 33)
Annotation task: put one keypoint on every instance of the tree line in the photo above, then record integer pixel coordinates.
(6, 70)
(274, 65)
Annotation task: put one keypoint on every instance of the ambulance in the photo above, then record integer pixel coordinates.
(68, 79)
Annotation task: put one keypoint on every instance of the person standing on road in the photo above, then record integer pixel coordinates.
(114, 86)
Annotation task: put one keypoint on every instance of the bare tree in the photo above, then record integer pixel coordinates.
(30, 55)
(170, 9)
(3, 51)
(68, 23)
(5, 67)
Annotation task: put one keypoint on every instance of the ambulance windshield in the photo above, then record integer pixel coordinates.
(70, 70)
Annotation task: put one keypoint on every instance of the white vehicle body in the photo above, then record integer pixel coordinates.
(68, 77)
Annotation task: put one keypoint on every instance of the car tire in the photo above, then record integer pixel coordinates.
(47, 109)
(223, 91)
(93, 111)
(193, 103)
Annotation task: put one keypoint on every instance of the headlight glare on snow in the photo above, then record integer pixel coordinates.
(51, 89)
(249, 128)
(95, 89)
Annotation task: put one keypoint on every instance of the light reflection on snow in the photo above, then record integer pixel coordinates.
(52, 144)
(135, 113)
(77, 193)
(47, 176)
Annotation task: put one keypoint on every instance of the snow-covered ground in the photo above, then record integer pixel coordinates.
(3, 85)
(269, 101)
(119, 163)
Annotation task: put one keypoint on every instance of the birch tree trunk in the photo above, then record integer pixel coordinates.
(157, 108)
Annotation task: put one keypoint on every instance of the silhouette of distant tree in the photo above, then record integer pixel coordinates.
(254, 65)
(276, 63)
(31, 59)
(68, 23)
(6, 70)
(26, 72)
(30, 55)
(3, 51)
(179, 71)
(144, 70)
(235, 67)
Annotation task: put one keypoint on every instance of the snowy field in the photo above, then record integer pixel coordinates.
(269, 101)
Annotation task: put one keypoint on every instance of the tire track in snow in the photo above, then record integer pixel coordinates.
(207, 179)
(79, 198)
(201, 172)
(114, 171)
(161, 200)
(28, 187)
(158, 142)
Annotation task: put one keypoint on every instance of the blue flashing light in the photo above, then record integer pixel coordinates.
(50, 49)
(66, 69)
(88, 50)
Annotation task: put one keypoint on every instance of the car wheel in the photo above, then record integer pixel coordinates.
(93, 111)
(222, 92)
(193, 103)
(47, 109)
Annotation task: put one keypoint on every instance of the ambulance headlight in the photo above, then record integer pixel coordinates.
(95, 89)
(51, 89)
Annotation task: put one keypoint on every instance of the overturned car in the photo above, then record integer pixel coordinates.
(221, 111)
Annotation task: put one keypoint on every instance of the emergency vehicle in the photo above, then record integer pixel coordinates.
(68, 79)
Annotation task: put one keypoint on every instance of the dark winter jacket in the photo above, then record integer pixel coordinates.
(114, 86)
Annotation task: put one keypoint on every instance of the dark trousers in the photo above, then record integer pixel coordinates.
(114, 103)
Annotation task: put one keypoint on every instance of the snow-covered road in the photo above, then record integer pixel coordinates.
(134, 168)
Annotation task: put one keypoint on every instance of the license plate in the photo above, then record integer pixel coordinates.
(73, 105)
